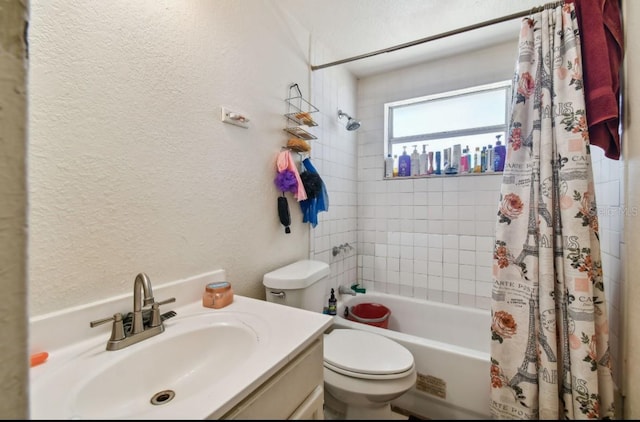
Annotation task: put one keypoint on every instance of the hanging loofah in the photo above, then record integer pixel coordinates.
(312, 183)
(298, 145)
(286, 181)
(283, 213)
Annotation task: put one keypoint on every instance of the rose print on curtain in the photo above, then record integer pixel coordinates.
(549, 331)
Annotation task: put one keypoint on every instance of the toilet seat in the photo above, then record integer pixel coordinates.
(365, 355)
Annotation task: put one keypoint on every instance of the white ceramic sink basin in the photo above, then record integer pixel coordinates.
(203, 365)
(193, 354)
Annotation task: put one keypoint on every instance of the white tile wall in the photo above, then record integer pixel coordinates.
(335, 156)
(608, 176)
(440, 260)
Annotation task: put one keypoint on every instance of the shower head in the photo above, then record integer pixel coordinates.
(352, 124)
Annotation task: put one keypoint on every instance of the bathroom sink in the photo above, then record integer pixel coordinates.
(195, 354)
(204, 365)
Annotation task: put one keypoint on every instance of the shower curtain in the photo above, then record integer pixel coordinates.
(549, 331)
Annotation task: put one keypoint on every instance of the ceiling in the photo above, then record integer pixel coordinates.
(348, 28)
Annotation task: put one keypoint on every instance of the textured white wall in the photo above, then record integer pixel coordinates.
(130, 167)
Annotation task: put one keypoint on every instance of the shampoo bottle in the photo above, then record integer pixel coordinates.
(430, 170)
(446, 160)
(489, 158)
(438, 170)
(469, 168)
(388, 166)
(499, 152)
(404, 164)
(456, 158)
(464, 161)
(477, 165)
(423, 160)
(415, 161)
(483, 160)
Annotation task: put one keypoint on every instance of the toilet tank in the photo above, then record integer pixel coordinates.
(301, 284)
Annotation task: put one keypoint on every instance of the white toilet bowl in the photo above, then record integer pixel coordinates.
(364, 372)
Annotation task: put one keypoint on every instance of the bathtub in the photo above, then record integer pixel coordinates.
(450, 345)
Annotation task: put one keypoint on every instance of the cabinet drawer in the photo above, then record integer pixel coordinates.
(283, 393)
(313, 406)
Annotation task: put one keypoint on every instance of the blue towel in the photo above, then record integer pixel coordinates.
(312, 206)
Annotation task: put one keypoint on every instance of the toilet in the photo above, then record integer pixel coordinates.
(363, 371)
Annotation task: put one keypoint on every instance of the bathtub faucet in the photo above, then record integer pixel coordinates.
(344, 290)
(355, 287)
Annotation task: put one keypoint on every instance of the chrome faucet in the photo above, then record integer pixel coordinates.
(121, 338)
(140, 284)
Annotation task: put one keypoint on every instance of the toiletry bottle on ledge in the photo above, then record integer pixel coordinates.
(333, 303)
(404, 164)
(446, 160)
(395, 165)
(430, 170)
(469, 167)
(477, 165)
(464, 164)
(456, 158)
(388, 166)
(415, 161)
(423, 161)
(438, 170)
(499, 155)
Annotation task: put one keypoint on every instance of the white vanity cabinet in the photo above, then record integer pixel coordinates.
(294, 392)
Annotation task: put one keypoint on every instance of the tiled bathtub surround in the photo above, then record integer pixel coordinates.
(432, 237)
(429, 238)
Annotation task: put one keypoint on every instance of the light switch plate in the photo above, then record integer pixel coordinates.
(234, 117)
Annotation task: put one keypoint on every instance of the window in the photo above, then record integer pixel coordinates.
(474, 117)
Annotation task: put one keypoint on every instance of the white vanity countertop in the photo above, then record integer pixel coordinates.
(297, 329)
(283, 332)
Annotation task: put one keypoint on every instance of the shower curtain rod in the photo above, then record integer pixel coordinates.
(438, 36)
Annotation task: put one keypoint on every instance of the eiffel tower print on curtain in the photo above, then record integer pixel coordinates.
(530, 247)
(528, 370)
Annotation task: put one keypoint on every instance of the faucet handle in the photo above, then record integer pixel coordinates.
(155, 315)
(156, 318)
(164, 302)
(117, 330)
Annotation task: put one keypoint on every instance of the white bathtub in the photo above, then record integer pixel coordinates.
(450, 345)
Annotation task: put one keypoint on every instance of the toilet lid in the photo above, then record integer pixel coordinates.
(361, 352)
